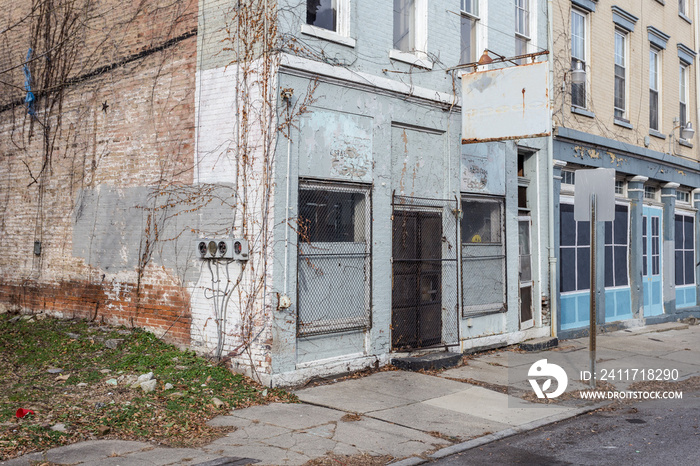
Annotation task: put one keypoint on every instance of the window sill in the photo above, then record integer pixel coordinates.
(661, 2)
(656, 134)
(685, 142)
(623, 123)
(582, 111)
(327, 34)
(411, 58)
(688, 20)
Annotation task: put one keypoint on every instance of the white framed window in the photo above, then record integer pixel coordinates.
(685, 249)
(579, 54)
(620, 101)
(568, 177)
(322, 14)
(329, 20)
(619, 187)
(654, 88)
(522, 26)
(683, 93)
(650, 192)
(410, 41)
(469, 20)
(683, 196)
(683, 8)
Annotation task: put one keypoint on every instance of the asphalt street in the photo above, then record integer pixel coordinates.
(641, 433)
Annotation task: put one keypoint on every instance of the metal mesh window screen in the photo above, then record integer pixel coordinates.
(483, 256)
(424, 273)
(333, 262)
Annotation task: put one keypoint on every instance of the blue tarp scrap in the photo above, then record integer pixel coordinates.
(29, 100)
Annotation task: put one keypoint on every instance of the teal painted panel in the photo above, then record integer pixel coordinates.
(575, 310)
(685, 296)
(618, 304)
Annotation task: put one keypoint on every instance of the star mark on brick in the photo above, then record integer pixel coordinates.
(105, 106)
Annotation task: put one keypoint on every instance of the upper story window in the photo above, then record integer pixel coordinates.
(654, 88)
(620, 75)
(468, 24)
(404, 25)
(328, 20)
(683, 196)
(683, 8)
(579, 54)
(683, 93)
(322, 14)
(522, 26)
(411, 32)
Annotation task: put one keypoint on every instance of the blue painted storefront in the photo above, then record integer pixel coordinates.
(650, 295)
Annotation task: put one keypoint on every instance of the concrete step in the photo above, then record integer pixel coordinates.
(539, 344)
(432, 361)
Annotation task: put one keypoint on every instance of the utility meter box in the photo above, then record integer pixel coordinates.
(236, 248)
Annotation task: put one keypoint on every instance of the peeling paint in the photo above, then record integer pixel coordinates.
(583, 152)
(615, 159)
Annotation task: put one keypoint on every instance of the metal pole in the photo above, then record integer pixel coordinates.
(592, 331)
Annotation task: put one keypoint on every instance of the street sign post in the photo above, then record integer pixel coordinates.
(594, 201)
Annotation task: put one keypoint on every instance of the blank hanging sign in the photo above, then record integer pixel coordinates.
(601, 182)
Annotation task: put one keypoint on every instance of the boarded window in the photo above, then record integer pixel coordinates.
(685, 249)
(575, 252)
(616, 245)
(333, 261)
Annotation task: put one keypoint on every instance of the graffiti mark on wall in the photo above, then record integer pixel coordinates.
(475, 177)
(351, 157)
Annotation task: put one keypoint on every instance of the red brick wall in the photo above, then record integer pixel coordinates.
(143, 139)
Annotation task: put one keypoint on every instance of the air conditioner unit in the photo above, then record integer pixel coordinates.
(209, 248)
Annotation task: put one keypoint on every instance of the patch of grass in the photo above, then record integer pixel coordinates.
(176, 417)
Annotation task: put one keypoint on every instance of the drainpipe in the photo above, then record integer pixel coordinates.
(550, 178)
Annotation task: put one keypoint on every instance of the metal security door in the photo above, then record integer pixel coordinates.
(651, 261)
(417, 280)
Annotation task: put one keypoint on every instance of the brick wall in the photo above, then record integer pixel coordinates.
(601, 37)
(126, 130)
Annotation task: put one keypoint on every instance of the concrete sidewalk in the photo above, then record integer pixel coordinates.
(408, 416)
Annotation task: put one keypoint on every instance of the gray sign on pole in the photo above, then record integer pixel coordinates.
(601, 182)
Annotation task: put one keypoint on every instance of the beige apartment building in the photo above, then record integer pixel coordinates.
(625, 93)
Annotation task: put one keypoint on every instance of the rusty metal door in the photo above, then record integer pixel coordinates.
(417, 280)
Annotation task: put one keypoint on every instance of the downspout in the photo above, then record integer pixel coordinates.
(550, 176)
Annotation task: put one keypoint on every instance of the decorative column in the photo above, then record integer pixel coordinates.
(635, 193)
(668, 198)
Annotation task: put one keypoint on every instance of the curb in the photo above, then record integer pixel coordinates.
(477, 442)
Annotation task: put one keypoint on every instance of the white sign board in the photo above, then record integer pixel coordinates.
(507, 103)
(601, 182)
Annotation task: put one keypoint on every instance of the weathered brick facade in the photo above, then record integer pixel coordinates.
(122, 87)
